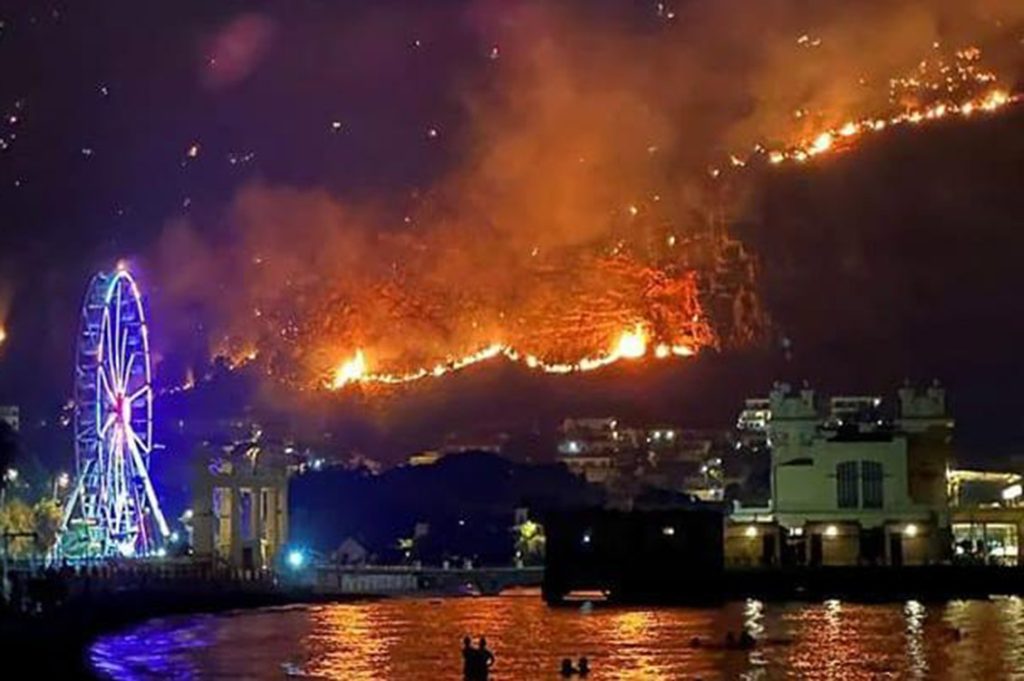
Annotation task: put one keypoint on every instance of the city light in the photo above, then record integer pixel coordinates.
(296, 559)
(831, 531)
(11, 475)
(910, 530)
(63, 480)
(750, 532)
(1012, 492)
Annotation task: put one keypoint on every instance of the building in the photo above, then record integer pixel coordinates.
(240, 505)
(593, 448)
(11, 415)
(752, 424)
(987, 516)
(351, 552)
(626, 459)
(850, 482)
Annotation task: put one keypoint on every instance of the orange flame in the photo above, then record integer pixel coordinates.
(631, 344)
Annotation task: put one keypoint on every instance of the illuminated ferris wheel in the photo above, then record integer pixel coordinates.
(113, 499)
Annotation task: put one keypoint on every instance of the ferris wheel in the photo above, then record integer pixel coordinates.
(113, 498)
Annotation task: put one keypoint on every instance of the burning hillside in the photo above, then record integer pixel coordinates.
(584, 217)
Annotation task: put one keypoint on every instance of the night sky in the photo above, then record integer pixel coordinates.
(899, 259)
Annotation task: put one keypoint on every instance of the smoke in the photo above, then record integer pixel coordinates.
(236, 50)
(579, 202)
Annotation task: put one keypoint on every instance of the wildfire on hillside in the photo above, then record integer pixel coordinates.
(585, 218)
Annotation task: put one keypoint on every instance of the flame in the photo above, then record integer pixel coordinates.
(631, 344)
(938, 89)
(351, 370)
(847, 133)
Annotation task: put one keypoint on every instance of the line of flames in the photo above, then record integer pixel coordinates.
(846, 134)
(631, 344)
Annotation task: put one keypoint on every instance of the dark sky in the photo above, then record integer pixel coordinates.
(898, 259)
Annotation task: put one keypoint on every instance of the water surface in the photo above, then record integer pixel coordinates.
(420, 639)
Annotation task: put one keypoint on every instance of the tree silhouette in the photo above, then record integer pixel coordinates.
(8, 450)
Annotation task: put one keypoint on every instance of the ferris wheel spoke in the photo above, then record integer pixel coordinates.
(122, 363)
(135, 442)
(107, 423)
(108, 390)
(106, 340)
(128, 371)
(144, 390)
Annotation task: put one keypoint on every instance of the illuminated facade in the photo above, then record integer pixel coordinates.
(851, 483)
(987, 516)
(240, 506)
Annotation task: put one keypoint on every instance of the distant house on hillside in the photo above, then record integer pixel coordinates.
(351, 552)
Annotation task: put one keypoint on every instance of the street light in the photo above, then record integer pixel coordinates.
(296, 559)
(11, 474)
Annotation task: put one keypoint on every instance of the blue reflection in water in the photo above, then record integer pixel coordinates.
(159, 649)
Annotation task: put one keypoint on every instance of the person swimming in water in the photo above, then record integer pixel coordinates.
(485, 659)
(476, 662)
(469, 658)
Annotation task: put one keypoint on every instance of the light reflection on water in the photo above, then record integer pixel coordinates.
(420, 639)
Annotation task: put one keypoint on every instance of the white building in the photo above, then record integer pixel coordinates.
(848, 486)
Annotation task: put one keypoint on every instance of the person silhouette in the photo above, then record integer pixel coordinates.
(485, 658)
(567, 669)
(583, 666)
(469, 660)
